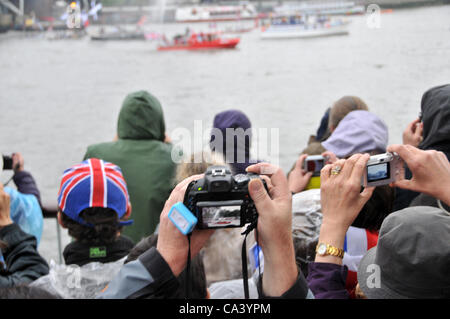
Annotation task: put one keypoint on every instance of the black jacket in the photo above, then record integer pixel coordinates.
(82, 254)
(22, 260)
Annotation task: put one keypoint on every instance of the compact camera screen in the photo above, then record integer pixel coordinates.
(314, 166)
(378, 172)
(221, 216)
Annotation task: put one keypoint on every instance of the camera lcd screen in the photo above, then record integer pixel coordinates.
(377, 172)
(314, 166)
(221, 216)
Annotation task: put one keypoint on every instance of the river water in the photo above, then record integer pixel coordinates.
(57, 97)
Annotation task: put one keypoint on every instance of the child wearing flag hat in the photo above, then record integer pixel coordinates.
(94, 205)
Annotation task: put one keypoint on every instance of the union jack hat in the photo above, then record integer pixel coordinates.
(93, 183)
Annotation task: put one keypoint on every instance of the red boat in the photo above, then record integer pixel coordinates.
(200, 41)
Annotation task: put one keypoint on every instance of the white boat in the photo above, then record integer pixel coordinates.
(287, 32)
(320, 7)
(216, 13)
(310, 29)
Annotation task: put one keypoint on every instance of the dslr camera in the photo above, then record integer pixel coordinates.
(221, 200)
(383, 169)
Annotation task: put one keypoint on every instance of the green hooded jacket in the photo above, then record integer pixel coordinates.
(144, 158)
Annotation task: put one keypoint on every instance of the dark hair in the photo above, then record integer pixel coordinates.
(197, 271)
(377, 208)
(105, 226)
(25, 292)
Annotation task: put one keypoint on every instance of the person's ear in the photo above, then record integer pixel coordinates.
(60, 222)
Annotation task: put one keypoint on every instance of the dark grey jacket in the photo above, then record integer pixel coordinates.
(22, 262)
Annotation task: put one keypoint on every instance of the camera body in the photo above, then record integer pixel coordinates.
(7, 162)
(314, 164)
(221, 200)
(382, 169)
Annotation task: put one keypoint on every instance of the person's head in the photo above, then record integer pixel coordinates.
(197, 164)
(358, 132)
(25, 292)
(196, 273)
(435, 107)
(342, 107)
(412, 257)
(141, 118)
(232, 136)
(93, 201)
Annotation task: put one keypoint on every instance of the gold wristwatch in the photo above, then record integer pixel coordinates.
(324, 249)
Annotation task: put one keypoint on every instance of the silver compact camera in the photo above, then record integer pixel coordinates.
(314, 164)
(383, 169)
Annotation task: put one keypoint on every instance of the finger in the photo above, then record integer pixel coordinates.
(419, 130)
(340, 163)
(325, 173)
(366, 194)
(405, 184)
(300, 161)
(268, 182)
(359, 168)
(275, 173)
(259, 195)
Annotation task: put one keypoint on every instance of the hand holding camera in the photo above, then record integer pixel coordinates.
(172, 244)
(274, 228)
(341, 196)
(430, 169)
(14, 162)
(299, 177)
(412, 135)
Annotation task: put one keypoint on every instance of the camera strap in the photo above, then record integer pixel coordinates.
(188, 268)
(244, 257)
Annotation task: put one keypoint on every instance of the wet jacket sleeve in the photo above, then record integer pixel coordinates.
(147, 277)
(327, 281)
(26, 184)
(22, 260)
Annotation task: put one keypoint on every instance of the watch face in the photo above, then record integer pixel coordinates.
(322, 249)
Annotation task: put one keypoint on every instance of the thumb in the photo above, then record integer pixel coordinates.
(259, 195)
(404, 183)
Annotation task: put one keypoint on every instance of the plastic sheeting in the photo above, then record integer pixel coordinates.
(74, 282)
(26, 212)
(306, 222)
(222, 254)
(232, 289)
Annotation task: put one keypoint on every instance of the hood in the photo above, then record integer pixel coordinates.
(435, 107)
(237, 147)
(141, 118)
(358, 132)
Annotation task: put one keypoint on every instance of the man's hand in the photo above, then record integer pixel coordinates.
(274, 228)
(172, 244)
(430, 169)
(412, 135)
(18, 162)
(341, 200)
(298, 178)
(5, 217)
